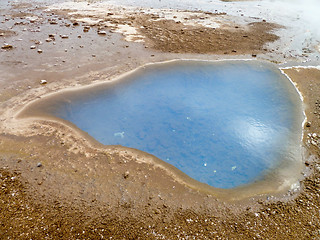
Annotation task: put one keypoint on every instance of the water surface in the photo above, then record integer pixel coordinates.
(225, 124)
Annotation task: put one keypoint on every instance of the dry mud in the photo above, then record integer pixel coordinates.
(55, 184)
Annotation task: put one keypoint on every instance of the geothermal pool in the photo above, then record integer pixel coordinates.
(225, 124)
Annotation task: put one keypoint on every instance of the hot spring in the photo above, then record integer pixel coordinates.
(226, 124)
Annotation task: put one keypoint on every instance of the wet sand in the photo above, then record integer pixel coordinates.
(54, 184)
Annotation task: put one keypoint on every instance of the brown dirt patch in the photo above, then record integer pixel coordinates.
(169, 36)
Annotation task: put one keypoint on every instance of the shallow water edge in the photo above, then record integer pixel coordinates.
(277, 181)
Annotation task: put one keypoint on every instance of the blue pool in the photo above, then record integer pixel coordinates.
(222, 123)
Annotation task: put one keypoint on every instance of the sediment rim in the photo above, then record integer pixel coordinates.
(261, 187)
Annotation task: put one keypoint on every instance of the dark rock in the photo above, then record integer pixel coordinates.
(7, 46)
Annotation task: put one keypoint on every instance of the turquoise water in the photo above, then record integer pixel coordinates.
(224, 124)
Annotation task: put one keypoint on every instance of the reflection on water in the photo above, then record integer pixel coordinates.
(223, 124)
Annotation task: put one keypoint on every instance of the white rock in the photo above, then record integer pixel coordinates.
(43, 81)
(102, 32)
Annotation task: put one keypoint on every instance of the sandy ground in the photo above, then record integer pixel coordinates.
(54, 184)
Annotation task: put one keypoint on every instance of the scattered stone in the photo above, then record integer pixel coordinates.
(93, 55)
(102, 32)
(48, 40)
(79, 36)
(86, 28)
(52, 35)
(64, 36)
(40, 51)
(43, 82)
(7, 46)
(53, 22)
(39, 164)
(75, 24)
(308, 124)
(254, 55)
(126, 175)
(66, 50)
(157, 211)
(32, 47)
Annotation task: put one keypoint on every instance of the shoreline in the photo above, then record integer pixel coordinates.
(32, 112)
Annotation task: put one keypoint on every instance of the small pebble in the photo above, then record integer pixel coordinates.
(39, 164)
(7, 46)
(43, 81)
(39, 51)
(102, 32)
(126, 174)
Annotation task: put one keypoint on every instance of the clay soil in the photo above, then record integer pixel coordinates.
(54, 185)
(169, 36)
